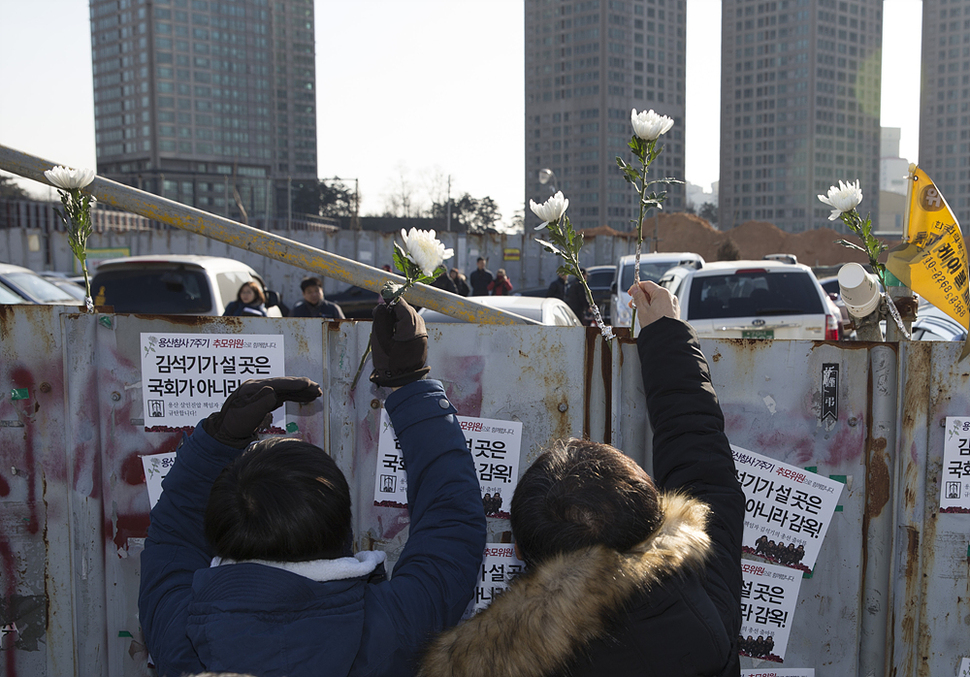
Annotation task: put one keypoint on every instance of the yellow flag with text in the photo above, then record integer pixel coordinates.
(933, 259)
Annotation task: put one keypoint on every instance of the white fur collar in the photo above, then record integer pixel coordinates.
(321, 570)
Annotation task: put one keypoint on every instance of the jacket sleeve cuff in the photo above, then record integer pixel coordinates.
(416, 402)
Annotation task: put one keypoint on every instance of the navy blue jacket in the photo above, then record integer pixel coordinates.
(259, 620)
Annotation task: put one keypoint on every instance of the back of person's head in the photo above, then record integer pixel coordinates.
(579, 494)
(310, 282)
(282, 500)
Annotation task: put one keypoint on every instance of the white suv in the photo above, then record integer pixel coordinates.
(652, 267)
(753, 299)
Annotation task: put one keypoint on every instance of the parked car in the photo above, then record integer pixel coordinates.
(72, 284)
(652, 267)
(932, 324)
(356, 302)
(547, 311)
(174, 285)
(754, 299)
(30, 287)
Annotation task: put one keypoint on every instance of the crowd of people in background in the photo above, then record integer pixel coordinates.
(251, 299)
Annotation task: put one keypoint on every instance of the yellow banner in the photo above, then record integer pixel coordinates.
(933, 260)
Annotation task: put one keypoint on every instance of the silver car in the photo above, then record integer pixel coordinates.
(754, 299)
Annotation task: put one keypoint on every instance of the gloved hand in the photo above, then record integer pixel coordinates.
(399, 344)
(250, 407)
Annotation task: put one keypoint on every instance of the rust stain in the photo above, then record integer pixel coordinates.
(716, 357)
(590, 350)
(606, 371)
(877, 477)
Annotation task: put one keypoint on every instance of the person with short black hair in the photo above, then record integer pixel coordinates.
(480, 278)
(249, 565)
(625, 574)
(313, 303)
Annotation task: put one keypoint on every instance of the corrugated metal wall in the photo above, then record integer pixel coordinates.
(889, 594)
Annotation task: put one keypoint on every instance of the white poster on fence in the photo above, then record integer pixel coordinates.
(787, 509)
(768, 597)
(493, 444)
(499, 567)
(955, 487)
(186, 377)
(781, 672)
(156, 468)
(964, 670)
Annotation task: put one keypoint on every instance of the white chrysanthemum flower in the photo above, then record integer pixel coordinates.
(425, 249)
(842, 198)
(67, 178)
(649, 125)
(552, 209)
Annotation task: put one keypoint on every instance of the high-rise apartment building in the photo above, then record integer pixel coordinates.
(587, 64)
(800, 96)
(944, 123)
(208, 102)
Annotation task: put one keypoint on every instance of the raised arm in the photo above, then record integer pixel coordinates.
(176, 546)
(690, 450)
(435, 576)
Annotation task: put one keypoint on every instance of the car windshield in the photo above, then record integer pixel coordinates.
(8, 296)
(39, 289)
(162, 291)
(649, 270)
(750, 293)
(601, 279)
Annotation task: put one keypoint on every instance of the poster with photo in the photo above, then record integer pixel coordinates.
(493, 444)
(156, 468)
(955, 484)
(186, 377)
(499, 567)
(768, 597)
(787, 509)
(781, 672)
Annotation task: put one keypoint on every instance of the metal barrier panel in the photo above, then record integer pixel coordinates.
(930, 630)
(770, 392)
(888, 595)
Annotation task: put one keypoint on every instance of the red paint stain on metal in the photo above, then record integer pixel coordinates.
(776, 439)
(4, 487)
(22, 378)
(132, 470)
(846, 446)
(128, 526)
(464, 388)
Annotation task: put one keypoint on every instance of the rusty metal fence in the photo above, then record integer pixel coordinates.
(889, 595)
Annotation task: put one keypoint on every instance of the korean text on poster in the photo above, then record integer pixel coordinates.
(499, 567)
(787, 509)
(768, 597)
(781, 672)
(186, 377)
(156, 468)
(955, 486)
(493, 444)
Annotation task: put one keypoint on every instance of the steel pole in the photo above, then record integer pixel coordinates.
(261, 242)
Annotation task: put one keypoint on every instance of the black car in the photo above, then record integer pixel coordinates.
(356, 302)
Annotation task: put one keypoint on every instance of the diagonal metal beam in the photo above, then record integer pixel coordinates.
(261, 242)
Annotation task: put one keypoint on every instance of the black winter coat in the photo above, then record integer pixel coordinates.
(670, 606)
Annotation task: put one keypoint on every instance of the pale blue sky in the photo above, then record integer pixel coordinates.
(413, 88)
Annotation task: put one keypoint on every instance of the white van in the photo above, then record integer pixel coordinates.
(652, 267)
(174, 285)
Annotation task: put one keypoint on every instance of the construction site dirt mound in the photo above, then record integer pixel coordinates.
(752, 240)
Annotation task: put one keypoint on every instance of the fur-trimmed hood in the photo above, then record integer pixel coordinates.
(553, 610)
